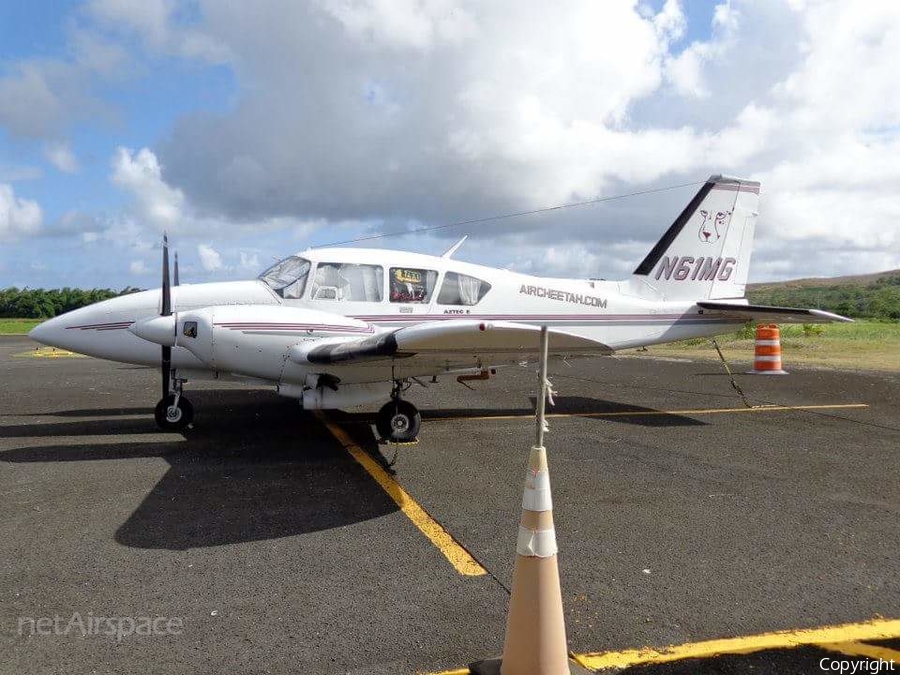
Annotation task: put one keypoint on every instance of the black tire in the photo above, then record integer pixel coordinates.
(398, 422)
(182, 418)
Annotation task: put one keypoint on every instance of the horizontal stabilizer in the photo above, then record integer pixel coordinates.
(764, 313)
(450, 339)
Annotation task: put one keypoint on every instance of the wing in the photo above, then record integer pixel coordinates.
(763, 313)
(449, 344)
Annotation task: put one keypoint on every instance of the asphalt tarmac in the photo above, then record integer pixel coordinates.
(276, 550)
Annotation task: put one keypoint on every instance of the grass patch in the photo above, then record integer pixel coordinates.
(865, 345)
(17, 326)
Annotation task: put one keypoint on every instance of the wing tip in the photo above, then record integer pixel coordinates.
(836, 318)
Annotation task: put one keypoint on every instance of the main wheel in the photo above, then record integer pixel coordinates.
(173, 418)
(398, 422)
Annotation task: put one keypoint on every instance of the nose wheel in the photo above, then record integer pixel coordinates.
(398, 421)
(174, 413)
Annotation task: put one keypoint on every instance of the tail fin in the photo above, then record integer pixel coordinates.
(705, 254)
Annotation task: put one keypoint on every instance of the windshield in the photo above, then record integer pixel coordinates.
(288, 277)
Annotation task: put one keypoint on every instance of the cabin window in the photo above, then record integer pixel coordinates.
(412, 285)
(348, 282)
(287, 277)
(461, 289)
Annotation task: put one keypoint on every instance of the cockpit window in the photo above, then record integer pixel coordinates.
(461, 289)
(348, 282)
(412, 285)
(288, 277)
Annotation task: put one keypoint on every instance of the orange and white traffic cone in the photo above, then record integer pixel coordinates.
(535, 627)
(767, 352)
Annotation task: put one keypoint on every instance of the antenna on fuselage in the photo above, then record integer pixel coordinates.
(450, 251)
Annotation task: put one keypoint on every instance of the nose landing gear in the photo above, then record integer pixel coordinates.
(398, 421)
(174, 412)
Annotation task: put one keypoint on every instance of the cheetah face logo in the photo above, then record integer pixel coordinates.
(713, 226)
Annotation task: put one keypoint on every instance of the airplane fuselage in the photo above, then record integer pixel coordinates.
(345, 327)
(606, 311)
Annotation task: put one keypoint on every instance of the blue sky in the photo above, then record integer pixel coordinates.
(142, 104)
(252, 132)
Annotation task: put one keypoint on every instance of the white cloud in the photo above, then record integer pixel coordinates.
(18, 217)
(61, 156)
(125, 232)
(398, 114)
(210, 259)
(686, 71)
(576, 260)
(155, 22)
(159, 206)
(138, 267)
(29, 106)
(249, 262)
(41, 98)
(392, 114)
(403, 24)
(140, 173)
(670, 22)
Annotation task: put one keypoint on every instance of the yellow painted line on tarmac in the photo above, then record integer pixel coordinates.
(877, 629)
(653, 413)
(455, 553)
(50, 353)
(862, 649)
(827, 637)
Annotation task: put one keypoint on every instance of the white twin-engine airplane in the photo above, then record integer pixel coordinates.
(338, 328)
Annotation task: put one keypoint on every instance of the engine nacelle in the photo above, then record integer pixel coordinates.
(254, 340)
(347, 396)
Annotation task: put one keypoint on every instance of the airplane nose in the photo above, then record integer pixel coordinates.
(158, 329)
(80, 329)
(50, 333)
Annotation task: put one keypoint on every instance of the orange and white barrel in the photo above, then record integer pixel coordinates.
(767, 352)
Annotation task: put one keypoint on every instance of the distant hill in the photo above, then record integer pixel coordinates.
(864, 296)
(819, 282)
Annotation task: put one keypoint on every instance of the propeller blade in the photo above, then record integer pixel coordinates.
(175, 271)
(166, 310)
(166, 288)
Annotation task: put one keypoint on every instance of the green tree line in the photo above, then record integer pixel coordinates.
(877, 300)
(38, 303)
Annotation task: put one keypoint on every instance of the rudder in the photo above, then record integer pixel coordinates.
(705, 253)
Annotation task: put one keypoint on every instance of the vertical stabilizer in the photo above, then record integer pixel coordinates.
(705, 254)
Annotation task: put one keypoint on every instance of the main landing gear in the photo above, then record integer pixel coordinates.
(398, 421)
(174, 412)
